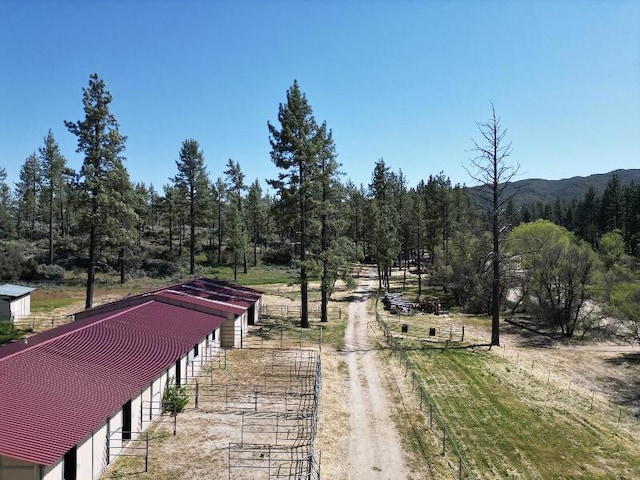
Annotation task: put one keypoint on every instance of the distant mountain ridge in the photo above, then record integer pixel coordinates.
(535, 190)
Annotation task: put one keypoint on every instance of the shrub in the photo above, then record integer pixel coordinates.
(278, 256)
(174, 398)
(50, 272)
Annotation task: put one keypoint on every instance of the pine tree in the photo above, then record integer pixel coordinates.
(295, 148)
(28, 191)
(6, 220)
(54, 171)
(192, 179)
(238, 236)
(103, 182)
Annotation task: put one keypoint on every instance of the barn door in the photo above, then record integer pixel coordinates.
(126, 421)
(252, 314)
(70, 464)
(178, 373)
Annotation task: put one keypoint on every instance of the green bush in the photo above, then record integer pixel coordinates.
(50, 272)
(174, 398)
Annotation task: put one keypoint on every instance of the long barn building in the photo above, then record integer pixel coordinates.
(71, 397)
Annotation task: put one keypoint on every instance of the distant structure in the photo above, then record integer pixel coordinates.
(15, 301)
(73, 396)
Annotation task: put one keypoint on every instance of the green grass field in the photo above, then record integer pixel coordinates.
(512, 425)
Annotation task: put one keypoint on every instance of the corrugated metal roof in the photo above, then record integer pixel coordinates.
(210, 294)
(14, 291)
(62, 384)
(189, 301)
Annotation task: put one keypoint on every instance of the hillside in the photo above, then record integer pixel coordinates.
(534, 190)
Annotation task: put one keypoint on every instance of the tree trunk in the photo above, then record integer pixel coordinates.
(91, 268)
(51, 224)
(219, 232)
(122, 265)
(255, 243)
(235, 266)
(495, 321)
(304, 311)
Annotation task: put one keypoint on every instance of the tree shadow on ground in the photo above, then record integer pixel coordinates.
(529, 334)
(625, 390)
(350, 298)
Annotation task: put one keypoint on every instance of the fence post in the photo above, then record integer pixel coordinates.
(175, 420)
(197, 391)
(146, 454)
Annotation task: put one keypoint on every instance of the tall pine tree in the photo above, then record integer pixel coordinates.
(296, 148)
(103, 183)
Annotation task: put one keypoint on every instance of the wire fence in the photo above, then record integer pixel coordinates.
(37, 322)
(295, 311)
(435, 420)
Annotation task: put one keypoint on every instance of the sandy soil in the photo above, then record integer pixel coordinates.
(375, 450)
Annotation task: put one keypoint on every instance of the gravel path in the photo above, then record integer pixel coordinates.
(375, 451)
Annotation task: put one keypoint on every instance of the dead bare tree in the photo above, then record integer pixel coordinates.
(490, 169)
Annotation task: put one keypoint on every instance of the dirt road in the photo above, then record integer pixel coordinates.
(375, 450)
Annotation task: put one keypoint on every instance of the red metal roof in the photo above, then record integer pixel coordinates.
(199, 293)
(189, 301)
(64, 383)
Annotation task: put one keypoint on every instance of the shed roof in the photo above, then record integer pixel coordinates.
(14, 291)
(60, 385)
(203, 294)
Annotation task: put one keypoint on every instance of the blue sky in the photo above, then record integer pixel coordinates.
(401, 80)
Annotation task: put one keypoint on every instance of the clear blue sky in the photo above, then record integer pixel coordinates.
(400, 80)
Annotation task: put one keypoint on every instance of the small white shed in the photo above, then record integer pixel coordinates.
(15, 301)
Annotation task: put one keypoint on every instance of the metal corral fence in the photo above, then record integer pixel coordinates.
(435, 419)
(277, 414)
(283, 335)
(295, 311)
(281, 444)
(38, 322)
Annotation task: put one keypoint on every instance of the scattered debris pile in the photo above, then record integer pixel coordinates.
(428, 305)
(396, 304)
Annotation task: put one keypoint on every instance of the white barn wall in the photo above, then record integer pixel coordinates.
(84, 462)
(115, 433)
(136, 416)
(21, 307)
(53, 472)
(99, 451)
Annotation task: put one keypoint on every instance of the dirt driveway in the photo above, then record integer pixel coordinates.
(375, 450)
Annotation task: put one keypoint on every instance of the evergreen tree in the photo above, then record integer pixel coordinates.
(54, 176)
(28, 191)
(238, 236)
(295, 149)
(256, 213)
(220, 193)
(192, 179)
(7, 225)
(385, 244)
(610, 215)
(103, 182)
